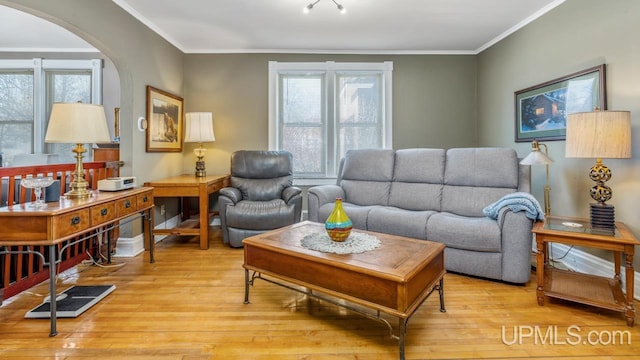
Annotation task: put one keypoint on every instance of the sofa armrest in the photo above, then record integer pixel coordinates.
(231, 194)
(320, 195)
(517, 246)
(290, 192)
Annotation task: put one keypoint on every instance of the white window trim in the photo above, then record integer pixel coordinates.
(39, 67)
(276, 67)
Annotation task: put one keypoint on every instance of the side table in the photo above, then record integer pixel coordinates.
(586, 289)
(189, 185)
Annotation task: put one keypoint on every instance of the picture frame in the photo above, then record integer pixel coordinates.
(165, 113)
(541, 110)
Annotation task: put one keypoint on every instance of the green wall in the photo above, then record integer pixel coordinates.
(141, 58)
(434, 100)
(574, 36)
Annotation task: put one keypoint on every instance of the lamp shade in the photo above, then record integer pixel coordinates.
(599, 134)
(536, 157)
(76, 123)
(199, 127)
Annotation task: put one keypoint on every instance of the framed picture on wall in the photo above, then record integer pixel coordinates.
(164, 121)
(541, 110)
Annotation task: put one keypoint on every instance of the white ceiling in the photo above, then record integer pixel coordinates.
(248, 26)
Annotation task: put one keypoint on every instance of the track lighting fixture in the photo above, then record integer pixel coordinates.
(311, 5)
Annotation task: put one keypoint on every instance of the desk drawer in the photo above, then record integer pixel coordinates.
(70, 223)
(126, 206)
(101, 214)
(144, 200)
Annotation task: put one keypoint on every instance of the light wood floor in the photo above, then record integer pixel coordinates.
(189, 305)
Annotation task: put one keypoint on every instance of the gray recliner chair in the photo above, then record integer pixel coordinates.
(261, 196)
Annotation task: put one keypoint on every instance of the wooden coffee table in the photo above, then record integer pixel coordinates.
(396, 278)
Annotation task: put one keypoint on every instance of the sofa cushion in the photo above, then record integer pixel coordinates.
(417, 179)
(368, 165)
(468, 233)
(477, 177)
(469, 201)
(261, 189)
(486, 167)
(366, 176)
(392, 220)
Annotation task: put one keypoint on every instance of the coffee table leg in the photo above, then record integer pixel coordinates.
(441, 293)
(246, 286)
(402, 331)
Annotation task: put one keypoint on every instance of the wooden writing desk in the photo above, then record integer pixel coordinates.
(67, 219)
(189, 185)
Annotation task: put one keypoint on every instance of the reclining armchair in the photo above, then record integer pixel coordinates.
(261, 196)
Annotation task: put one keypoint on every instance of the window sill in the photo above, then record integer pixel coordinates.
(313, 181)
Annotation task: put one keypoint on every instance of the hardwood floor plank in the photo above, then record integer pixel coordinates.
(189, 306)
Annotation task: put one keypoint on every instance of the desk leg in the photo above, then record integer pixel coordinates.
(147, 231)
(109, 234)
(540, 263)
(203, 207)
(52, 289)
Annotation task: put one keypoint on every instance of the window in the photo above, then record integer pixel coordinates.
(318, 111)
(28, 89)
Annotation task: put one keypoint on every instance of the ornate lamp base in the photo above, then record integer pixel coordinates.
(602, 214)
(200, 165)
(602, 217)
(200, 169)
(78, 185)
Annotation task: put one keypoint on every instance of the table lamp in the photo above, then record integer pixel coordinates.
(199, 129)
(537, 157)
(77, 123)
(599, 134)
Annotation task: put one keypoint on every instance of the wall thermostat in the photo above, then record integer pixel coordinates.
(142, 124)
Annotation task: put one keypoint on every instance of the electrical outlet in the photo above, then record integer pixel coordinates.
(162, 210)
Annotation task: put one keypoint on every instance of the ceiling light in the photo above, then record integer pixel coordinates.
(308, 8)
(340, 7)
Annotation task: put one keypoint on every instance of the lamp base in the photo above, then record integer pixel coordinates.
(79, 190)
(200, 168)
(602, 217)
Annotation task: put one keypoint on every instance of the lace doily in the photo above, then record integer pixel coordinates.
(356, 243)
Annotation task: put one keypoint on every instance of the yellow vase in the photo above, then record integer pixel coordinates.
(338, 224)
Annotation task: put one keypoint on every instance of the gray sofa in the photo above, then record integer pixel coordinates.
(438, 195)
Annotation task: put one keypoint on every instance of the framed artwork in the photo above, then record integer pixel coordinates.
(541, 110)
(164, 121)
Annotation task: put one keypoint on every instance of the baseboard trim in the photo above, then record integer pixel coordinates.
(129, 247)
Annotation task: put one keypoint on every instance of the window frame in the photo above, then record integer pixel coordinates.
(331, 70)
(40, 68)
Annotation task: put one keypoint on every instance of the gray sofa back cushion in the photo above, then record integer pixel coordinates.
(467, 195)
(418, 179)
(366, 176)
(261, 175)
